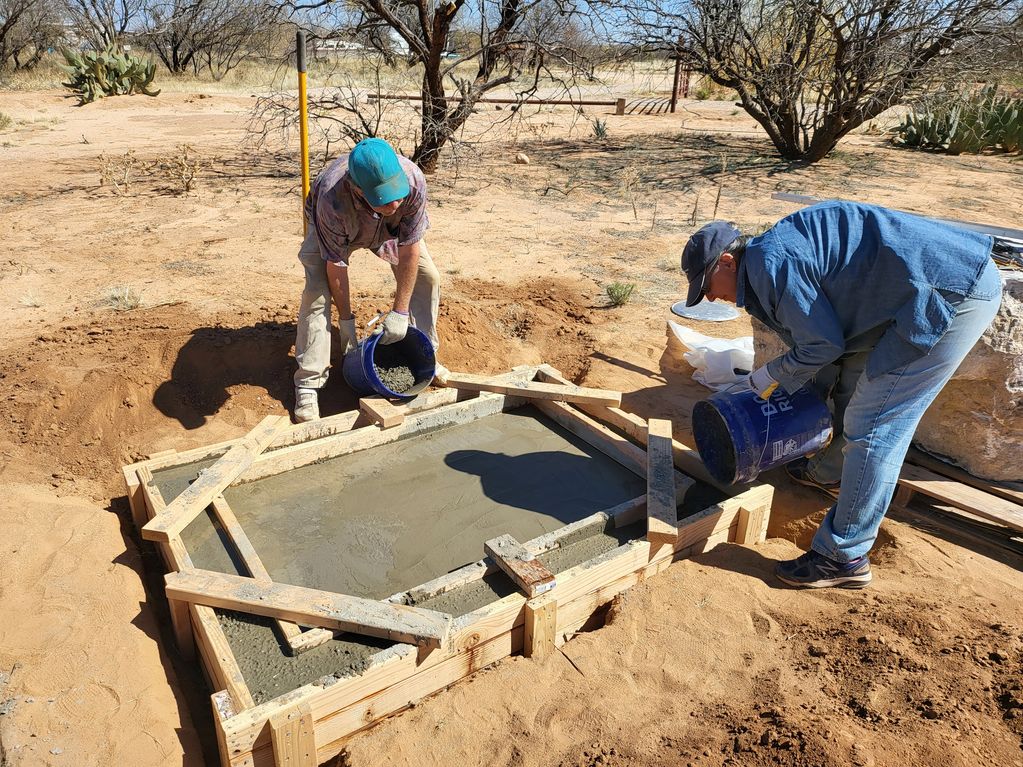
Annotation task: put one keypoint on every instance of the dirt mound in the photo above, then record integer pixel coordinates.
(95, 396)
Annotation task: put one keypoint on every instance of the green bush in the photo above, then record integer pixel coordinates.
(966, 123)
(108, 73)
(619, 293)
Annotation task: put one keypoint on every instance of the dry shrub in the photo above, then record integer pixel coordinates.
(178, 171)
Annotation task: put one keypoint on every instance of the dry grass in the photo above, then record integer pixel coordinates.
(5, 121)
(123, 298)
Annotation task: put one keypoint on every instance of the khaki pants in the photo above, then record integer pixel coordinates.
(312, 343)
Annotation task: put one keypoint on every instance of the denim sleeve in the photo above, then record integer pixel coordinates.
(793, 295)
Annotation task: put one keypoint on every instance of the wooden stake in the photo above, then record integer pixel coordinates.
(521, 566)
(293, 737)
(534, 390)
(661, 511)
(541, 626)
(213, 481)
(311, 607)
(752, 525)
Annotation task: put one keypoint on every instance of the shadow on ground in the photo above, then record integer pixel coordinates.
(184, 678)
(216, 359)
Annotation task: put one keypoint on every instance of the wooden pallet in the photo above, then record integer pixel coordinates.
(311, 723)
(973, 500)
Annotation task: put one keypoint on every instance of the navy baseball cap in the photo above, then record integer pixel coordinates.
(375, 169)
(702, 252)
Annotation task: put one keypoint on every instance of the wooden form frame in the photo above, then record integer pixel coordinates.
(310, 724)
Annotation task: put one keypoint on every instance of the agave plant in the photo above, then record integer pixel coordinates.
(111, 72)
(970, 123)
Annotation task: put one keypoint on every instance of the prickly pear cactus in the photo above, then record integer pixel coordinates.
(111, 72)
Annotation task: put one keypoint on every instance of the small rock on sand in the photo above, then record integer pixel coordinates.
(522, 159)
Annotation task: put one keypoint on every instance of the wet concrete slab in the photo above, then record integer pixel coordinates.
(384, 520)
(387, 519)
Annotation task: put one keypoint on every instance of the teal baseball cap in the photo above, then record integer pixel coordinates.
(375, 169)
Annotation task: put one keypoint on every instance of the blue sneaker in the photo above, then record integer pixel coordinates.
(816, 571)
(797, 472)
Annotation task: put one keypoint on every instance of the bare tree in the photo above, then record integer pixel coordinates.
(206, 34)
(496, 46)
(810, 71)
(103, 22)
(27, 29)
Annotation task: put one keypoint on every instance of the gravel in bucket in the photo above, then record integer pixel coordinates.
(392, 370)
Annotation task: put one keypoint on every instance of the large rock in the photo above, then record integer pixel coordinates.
(977, 419)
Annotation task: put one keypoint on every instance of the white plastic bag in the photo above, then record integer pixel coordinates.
(716, 359)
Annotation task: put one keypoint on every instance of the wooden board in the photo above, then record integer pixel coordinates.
(962, 496)
(311, 607)
(920, 458)
(520, 565)
(382, 411)
(218, 658)
(661, 508)
(213, 481)
(534, 390)
(298, 640)
(686, 459)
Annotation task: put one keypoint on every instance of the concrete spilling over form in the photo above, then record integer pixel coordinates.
(330, 574)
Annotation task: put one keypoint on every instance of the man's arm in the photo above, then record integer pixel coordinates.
(405, 275)
(337, 279)
(794, 297)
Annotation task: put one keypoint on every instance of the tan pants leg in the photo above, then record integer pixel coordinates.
(312, 342)
(425, 301)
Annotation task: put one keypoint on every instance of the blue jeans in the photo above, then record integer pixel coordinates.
(878, 419)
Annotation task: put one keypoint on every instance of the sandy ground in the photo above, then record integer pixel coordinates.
(708, 664)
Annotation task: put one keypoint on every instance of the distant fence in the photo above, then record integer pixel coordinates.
(618, 104)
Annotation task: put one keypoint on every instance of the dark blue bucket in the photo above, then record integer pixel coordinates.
(414, 351)
(740, 435)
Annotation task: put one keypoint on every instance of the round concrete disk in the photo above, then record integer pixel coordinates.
(705, 310)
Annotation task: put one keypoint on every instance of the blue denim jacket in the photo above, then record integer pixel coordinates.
(844, 277)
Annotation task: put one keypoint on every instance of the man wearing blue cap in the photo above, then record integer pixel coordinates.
(370, 198)
(877, 306)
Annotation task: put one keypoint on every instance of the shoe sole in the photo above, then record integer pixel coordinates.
(807, 483)
(845, 582)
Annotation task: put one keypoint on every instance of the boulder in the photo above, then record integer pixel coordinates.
(976, 422)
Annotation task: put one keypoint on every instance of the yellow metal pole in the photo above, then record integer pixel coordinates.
(303, 120)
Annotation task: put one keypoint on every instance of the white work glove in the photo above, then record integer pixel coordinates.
(349, 336)
(393, 328)
(761, 383)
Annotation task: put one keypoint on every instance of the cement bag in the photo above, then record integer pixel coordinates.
(716, 359)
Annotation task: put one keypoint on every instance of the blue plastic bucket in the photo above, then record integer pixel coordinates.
(740, 435)
(414, 351)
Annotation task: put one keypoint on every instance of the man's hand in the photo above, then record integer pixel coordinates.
(761, 383)
(349, 336)
(394, 327)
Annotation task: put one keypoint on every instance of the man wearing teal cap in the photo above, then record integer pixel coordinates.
(374, 199)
